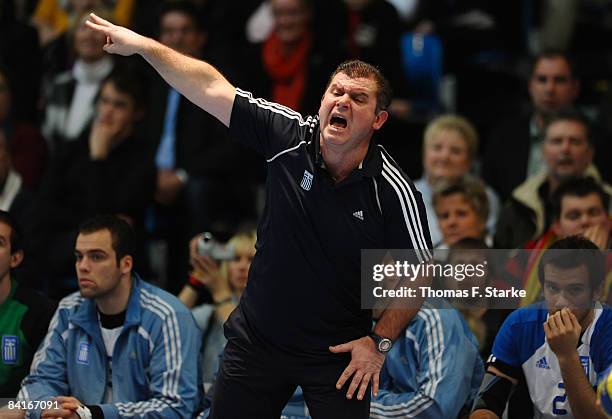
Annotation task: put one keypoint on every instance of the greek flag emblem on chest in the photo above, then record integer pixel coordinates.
(83, 355)
(10, 347)
(306, 183)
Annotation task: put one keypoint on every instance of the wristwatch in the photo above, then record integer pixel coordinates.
(382, 344)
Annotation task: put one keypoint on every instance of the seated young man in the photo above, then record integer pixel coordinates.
(559, 347)
(119, 347)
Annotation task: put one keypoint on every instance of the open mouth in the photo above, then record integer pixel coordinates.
(338, 122)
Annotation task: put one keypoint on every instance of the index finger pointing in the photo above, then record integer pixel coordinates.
(97, 27)
(97, 19)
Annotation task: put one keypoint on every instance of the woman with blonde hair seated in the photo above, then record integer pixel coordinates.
(450, 147)
(225, 280)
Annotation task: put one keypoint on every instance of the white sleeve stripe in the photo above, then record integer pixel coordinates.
(262, 101)
(274, 107)
(67, 331)
(434, 332)
(142, 332)
(23, 394)
(385, 155)
(41, 355)
(137, 408)
(401, 408)
(411, 231)
(168, 344)
(169, 321)
(441, 349)
(435, 361)
(175, 335)
(377, 198)
(270, 160)
(423, 403)
(172, 345)
(413, 207)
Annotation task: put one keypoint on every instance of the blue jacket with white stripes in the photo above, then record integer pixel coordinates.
(154, 363)
(432, 371)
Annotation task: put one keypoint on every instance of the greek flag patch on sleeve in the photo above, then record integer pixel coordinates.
(10, 349)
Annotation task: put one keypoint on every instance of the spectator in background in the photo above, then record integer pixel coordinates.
(119, 347)
(24, 313)
(513, 151)
(373, 35)
(450, 147)
(14, 197)
(53, 17)
(197, 167)
(462, 209)
(580, 206)
(567, 152)
(108, 169)
(20, 56)
(295, 59)
(69, 102)
(21, 140)
(224, 280)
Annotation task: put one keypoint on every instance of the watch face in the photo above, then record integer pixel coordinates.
(385, 345)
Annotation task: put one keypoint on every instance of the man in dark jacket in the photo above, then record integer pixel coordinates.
(552, 86)
(196, 164)
(567, 152)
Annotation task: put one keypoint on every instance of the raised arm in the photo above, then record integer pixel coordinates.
(197, 80)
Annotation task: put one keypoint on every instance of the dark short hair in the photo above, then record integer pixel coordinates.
(187, 8)
(16, 236)
(360, 69)
(572, 252)
(579, 187)
(128, 82)
(122, 234)
(569, 113)
(551, 54)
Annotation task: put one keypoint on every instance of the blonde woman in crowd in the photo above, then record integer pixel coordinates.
(450, 147)
(225, 280)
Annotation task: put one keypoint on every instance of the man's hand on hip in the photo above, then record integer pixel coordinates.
(364, 367)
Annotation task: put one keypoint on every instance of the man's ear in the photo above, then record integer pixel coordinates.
(380, 119)
(126, 264)
(16, 259)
